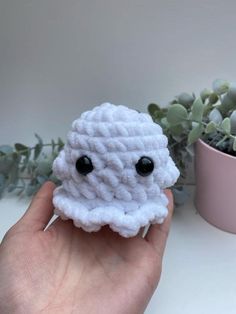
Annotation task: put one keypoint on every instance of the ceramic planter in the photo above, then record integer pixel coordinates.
(215, 197)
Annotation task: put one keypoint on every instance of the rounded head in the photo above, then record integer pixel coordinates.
(114, 157)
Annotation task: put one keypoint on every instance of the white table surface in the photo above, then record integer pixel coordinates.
(199, 268)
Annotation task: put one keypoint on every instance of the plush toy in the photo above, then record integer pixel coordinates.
(113, 168)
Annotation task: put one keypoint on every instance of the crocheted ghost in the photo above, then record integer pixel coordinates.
(113, 168)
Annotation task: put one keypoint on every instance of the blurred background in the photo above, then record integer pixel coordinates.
(59, 58)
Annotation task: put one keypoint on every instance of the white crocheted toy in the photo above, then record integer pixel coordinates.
(114, 167)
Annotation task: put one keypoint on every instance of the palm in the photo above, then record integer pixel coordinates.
(65, 270)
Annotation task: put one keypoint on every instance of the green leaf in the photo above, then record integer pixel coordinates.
(152, 108)
(53, 145)
(225, 125)
(211, 127)
(176, 114)
(44, 167)
(38, 147)
(227, 104)
(195, 134)
(186, 125)
(6, 163)
(197, 110)
(174, 101)
(222, 142)
(205, 93)
(164, 123)
(220, 86)
(207, 109)
(22, 149)
(60, 141)
(13, 175)
(2, 184)
(194, 123)
(37, 150)
(159, 115)
(215, 116)
(185, 99)
(232, 92)
(38, 138)
(60, 144)
(176, 129)
(233, 122)
(213, 98)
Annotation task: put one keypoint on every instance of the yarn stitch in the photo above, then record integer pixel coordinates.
(114, 138)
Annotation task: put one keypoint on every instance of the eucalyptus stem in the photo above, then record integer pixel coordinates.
(21, 170)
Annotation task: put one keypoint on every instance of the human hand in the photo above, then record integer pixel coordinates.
(63, 269)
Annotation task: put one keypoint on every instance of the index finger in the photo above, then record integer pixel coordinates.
(157, 234)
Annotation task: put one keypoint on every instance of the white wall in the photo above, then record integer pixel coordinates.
(58, 58)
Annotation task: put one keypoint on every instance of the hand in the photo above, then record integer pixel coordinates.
(63, 269)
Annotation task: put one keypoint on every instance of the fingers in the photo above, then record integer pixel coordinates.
(158, 233)
(40, 210)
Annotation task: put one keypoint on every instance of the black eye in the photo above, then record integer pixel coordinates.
(84, 165)
(144, 166)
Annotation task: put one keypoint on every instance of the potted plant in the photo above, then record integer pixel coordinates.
(206, 126)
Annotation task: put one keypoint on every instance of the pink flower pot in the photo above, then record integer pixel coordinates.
(215, 197)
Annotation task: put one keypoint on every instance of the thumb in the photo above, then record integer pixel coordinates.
(157, 234)
(40, 210)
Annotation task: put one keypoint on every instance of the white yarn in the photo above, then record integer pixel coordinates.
(114, 138)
